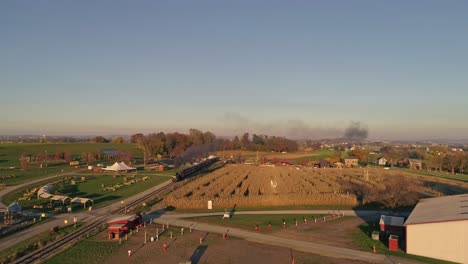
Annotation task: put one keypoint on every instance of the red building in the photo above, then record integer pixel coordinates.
(120, 226)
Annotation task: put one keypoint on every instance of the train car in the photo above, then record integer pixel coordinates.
(180, 175)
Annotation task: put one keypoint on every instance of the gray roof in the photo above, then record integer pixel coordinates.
(440, 209)
(391, 220)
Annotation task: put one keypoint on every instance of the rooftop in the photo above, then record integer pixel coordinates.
(391, 220)
(124, 218)
(440, 209)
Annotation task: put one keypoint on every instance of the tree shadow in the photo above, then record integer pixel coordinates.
(56, 164)
(107, 198)
(233, 210)
(148, 217)
(446, 189)
(91, 196)
(198, 254)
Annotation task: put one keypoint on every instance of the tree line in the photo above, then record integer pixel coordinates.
(199, 142)
(439, 158)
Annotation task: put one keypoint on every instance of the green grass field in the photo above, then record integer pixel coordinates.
(249, 222)
(11, 152)
(446, 175)
(86, 251)
(11, 172)
(90, 188)
(318, 155)
(365, 242)
(38, 241)
(17, 176)
(292, 207)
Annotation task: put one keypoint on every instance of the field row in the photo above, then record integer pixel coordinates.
(248, 185)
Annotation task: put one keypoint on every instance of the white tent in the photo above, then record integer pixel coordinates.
(44, 191)
(126, 166)
(119, 167)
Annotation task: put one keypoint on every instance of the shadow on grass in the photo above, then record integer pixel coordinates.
(91, 196)
(446, 189)
(233, 210)
(56, 164)
(198, 254)
(107, 198)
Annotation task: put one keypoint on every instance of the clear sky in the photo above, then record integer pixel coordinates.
(294, 68)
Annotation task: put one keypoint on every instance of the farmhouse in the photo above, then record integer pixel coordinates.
(410, 163)
(324, 164)
(351, 162)
(415, 164)
(438, 228)
(381, 161)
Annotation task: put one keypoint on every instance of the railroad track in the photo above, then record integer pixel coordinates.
(85, 231)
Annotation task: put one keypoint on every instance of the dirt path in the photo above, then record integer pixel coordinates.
(308, 247)
(334, 233)
(213, 250)
(334, 246)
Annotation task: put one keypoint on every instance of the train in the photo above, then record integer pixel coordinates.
(180, 175)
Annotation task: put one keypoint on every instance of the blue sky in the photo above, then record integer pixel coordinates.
(294, 68)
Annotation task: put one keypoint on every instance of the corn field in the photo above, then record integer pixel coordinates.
(256, 186)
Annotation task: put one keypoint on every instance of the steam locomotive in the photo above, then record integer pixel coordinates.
(180, 175)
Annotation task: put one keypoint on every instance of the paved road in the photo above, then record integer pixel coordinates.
(84, 216)
(179, 219)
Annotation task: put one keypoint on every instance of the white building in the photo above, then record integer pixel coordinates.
(381, 161)
(438, 228)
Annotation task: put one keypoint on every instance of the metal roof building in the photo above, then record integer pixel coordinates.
(438, 228)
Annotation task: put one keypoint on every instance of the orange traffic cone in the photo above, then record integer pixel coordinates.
(375, 251)
(292, 262)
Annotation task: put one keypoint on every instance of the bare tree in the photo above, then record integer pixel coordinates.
(90, 158)
(24, 162)
(452, 161)
(398, 192)
(67, 156)
(462, 157)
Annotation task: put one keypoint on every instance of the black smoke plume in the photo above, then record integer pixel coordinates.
(356, 131)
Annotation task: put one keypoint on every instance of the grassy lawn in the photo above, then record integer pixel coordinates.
(10, 152)
(458, 177)
(117, 189)
(87, 251)
(10, 168)
(17, 176)
(249, 222)
(38, 241)
(317, 155)
(365, 242)
(272, 208)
